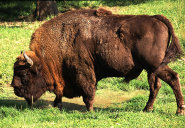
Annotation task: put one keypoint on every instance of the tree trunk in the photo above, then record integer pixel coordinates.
(44, 9)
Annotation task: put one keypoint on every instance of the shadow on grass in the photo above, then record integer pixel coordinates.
(40, 104)
(136, 104)
(127, 106)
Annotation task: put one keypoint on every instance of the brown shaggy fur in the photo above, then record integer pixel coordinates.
(75, 50)
(103, 12)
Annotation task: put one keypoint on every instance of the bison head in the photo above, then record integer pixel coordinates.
(28, 80)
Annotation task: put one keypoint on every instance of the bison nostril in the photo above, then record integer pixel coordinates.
(12, 84)
(15, 88)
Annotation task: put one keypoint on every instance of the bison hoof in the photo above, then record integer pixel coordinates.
(90, 110)
(60, 106)
(148, 110)
(180, 110)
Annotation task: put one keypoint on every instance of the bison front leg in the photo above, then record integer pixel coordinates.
(89, 99)
(58, 101)
(59, 93)
(88, 102)
(87, 82)
(172, 78)
(155, 85)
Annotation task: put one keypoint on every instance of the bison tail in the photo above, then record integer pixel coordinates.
(173, 50)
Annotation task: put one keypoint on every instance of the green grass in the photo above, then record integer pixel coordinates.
(125, 102)
(126, 114)
(14, 39)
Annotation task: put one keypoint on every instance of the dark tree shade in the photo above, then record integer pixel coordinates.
(44, 9)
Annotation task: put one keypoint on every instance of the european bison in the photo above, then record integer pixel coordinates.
(70, 53)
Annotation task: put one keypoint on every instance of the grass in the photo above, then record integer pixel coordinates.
(117, 104)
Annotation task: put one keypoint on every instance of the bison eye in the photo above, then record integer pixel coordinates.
(24, 79)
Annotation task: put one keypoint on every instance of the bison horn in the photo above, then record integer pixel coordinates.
(28, 59)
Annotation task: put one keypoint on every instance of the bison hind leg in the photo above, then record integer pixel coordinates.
(155, 85)
(172, 78)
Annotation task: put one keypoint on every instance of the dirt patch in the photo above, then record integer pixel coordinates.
(106, 98)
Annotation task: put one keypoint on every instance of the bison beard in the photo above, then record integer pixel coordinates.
(72, 52)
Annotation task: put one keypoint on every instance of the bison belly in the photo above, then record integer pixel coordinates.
(114, 58)
(72, 91)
